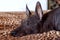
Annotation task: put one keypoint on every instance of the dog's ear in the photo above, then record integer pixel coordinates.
(38, 10)
(28, 13)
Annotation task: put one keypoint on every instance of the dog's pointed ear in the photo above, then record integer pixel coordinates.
(38, 10)
(28, 13)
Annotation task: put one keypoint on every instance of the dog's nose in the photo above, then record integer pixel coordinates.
(13, 33)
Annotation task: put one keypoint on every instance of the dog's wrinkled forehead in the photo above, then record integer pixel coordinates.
(32, 20)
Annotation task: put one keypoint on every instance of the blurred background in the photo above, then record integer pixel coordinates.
(19, 5)
(52, 4)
